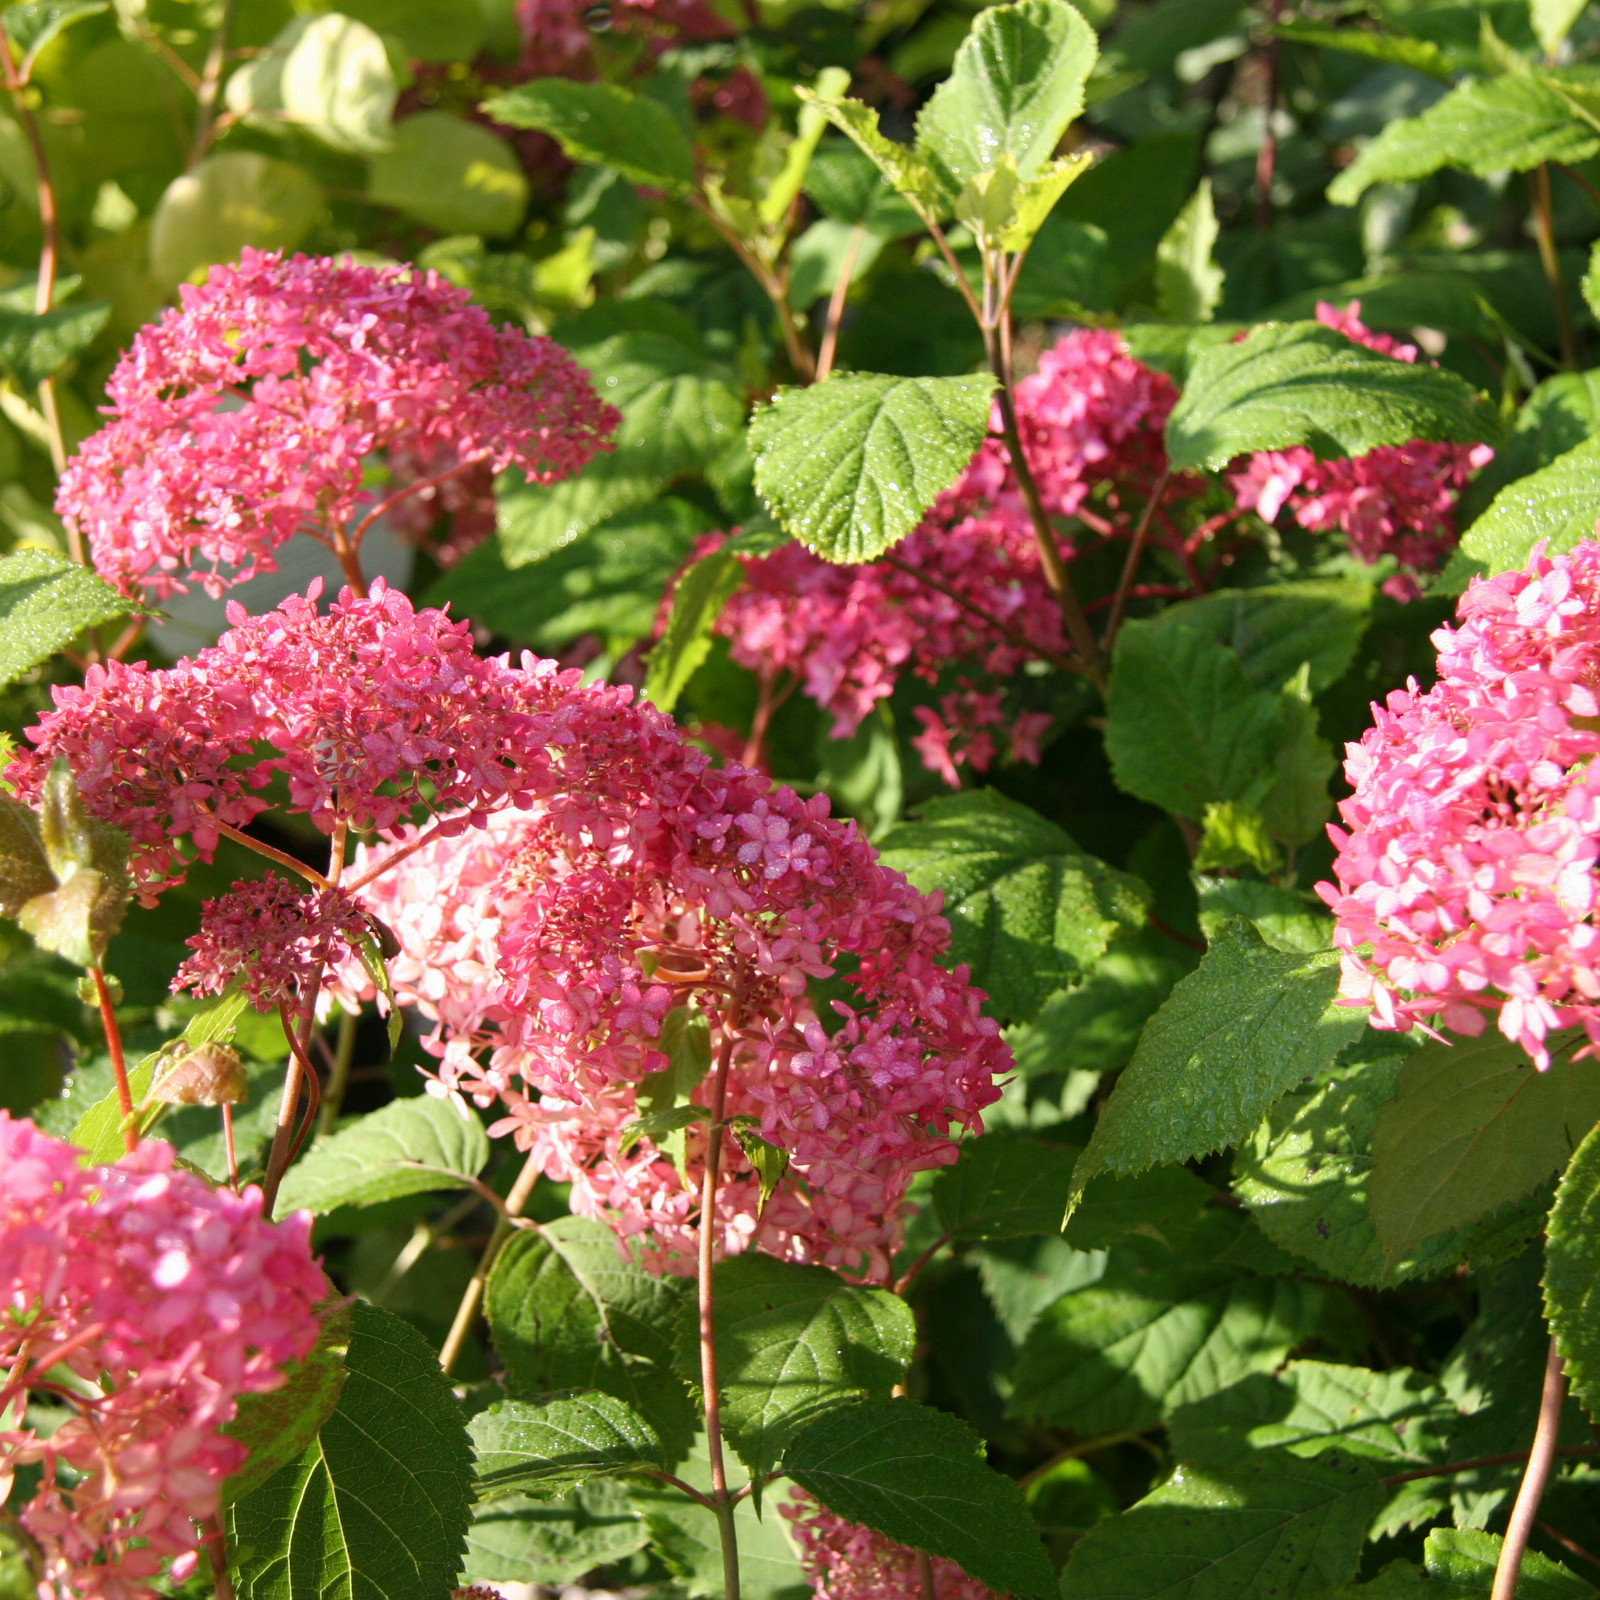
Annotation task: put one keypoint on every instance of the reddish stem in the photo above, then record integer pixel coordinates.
(119, 1065)
(1525, 1509)
(841, 292)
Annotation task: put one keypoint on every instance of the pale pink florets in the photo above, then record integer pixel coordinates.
(845, 1561)
(165, 1301)
(1466, 879)
(1397, 500)
(252, 411)
(552, 946)
(273, 938)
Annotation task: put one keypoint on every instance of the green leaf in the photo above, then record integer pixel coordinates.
(767, 1161)
(1276, 628)
(278, 1426)
(908, 171)
(697, 601)
(1473, 1125)
(36, 347)
(1271, 1528)
(98, 1132)
(1185, 727)
(1163, 1327)
(1188, 279)
(1304, 1176)
(555, 1542)
(1465, 1559)
(659, 1123)
(377, 1507)
(231, 200)
(1557, 505)
(33, 24)
(553, 1444)
(1164, 1204)
(1286, 918)
(640, 1307)
(604, 124)
(1295, 809)
(327, 74)
(1232, 1039)
(1291, 383)
(1419, 55)
(1552, 21)
(1015, 86)
(1234, 835)
(849, 466)
(24, 867)
(919, 1476)
(45, 603)
(1004, 1187)
(1028, 909)
(1572, 1271)
(412, 1146)
(793, 1343)
(455, 176)
(678, 416)
(1487, 126)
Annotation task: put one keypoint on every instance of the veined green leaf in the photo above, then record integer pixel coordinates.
(36, 347)
(697, 601)
(33, 24)
(1004, 1187)
(1465, 1559)
(1572, 1271)
(46, 601)
(551, 1445)
(1420, 55)
(1188, 280)
(516, 1539)
(1557, 506)
(908, 172)
(453, 175)
(849, 466)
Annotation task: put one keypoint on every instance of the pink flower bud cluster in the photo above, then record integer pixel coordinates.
(961, 733)
(273, 938)
(362, 711)
(1397, 500)
(143, 1304)
(1466, 867)
(252, 410)
(844, 1561)
(553, 947)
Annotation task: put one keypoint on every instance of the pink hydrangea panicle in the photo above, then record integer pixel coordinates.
(552, 947)
(844, 1561)
(167, 1301)
(364, 711)
(274, 936)
(1397, 500)
(1465, 875)
(249, 412)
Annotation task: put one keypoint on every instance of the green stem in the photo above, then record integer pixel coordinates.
(467, 1311)
(339, 1078)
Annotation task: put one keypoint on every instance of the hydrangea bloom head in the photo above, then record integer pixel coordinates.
(167, 1300)
(250, 411)
(844, 1561)
(361, 710)
(1397, 500)
(1465, 872)
(552, 946)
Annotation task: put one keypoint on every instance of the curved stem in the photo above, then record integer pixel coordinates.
(722, 1501)
(467, 1311)
(310, 874)
(1131, 564)
(841, 292)
(1525, 1510)
(1545, 234)
(119, 1064)
(211, 85)
(339, 1077)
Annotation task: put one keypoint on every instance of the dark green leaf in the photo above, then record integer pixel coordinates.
(1004, 1187)
(1272, 1528)
(555, 1443)
(605, 124)
(36, 347)
(377, 1507)
(1164, 1204)
(919, 1476)
(1302, 383)
(640, 1307)
(411, 1146)
(1473, 1125)
(1016, 84)
(697, 602)
(1028, 909)
(1572, 1272)
(794, 1342)
(1231, 1039)
(1185, 727)
(1487, 126)
(555, 1542)
(45, 603)
(849, 466)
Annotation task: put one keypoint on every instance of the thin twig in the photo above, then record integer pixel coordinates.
(1085, 1447)
(338, 1075)
(504, 1227)
(908, 1277)
(1581, 181)
(841, 293)
(1571, 1546)
(925, 1576)
(310, 874)
(1545, 234)
(211, 85)
(1267, 156)
(1525, 1509)
(119, 1064)
(1450, 1468)
(1119, 601)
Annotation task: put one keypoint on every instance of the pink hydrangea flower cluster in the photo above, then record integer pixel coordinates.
(552, 947)
(144, 1304)
(1466, 867)
(960, 733)
(363, 711)
(557, 42)
(845, 1561)
(250, 412)
(1397, 500)
(273, 937)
